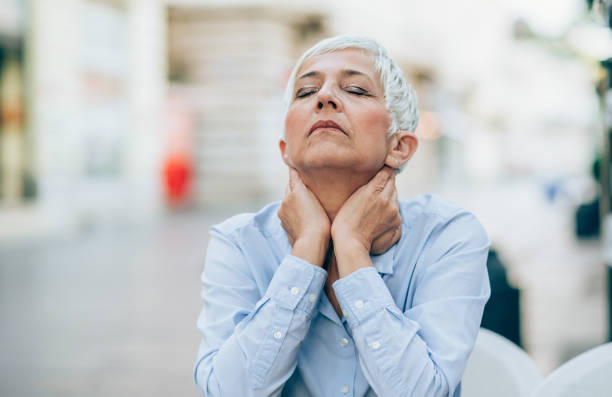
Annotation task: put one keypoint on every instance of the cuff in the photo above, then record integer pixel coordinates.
(297, 284)
(361, 295)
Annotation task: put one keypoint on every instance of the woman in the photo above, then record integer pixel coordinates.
(340, 289)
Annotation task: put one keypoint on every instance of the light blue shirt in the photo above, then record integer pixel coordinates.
(409, 323)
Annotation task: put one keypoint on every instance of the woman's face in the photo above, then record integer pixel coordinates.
(337, 118)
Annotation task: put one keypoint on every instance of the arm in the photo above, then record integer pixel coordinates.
(422, 351)
(250, 342)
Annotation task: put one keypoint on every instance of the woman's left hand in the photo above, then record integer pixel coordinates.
(369, 221)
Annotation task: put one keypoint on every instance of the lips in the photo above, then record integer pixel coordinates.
(325, 124)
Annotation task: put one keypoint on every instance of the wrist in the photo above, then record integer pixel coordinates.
(311, 248)
(349, 241)
(351, 255)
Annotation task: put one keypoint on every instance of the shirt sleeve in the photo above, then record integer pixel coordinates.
(423, 350)
(250, 342)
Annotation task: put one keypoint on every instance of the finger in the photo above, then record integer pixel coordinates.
(381, 179)
(290, 183)
(381, 176)
(397, 234)
(384, 241)
(392, 173)
(295, 178)
(378, 183)
(389, 189)
(388, 172)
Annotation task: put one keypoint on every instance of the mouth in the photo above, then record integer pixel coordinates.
(327, 125)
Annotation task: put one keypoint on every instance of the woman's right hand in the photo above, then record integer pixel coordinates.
(305, 221)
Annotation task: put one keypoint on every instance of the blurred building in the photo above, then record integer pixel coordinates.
(93, 87)
(125, 98)
(13, 160)
(229, 65)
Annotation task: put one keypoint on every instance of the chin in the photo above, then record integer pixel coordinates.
(331, 155)
(327, 164)
(328, 155)
(336, 162)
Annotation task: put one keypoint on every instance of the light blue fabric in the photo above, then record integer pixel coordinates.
(409, 323)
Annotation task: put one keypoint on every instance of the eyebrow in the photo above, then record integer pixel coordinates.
(345, 73)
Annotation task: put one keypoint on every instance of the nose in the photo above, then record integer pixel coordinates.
(326, 98)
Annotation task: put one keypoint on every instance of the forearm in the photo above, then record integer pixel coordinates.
(417, 341)
(398, 352)
(392, 356)
(260, 354)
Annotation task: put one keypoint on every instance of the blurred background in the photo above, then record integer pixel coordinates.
(128, 127)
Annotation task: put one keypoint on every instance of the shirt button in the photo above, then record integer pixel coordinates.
(376, 345)
(343, 313)
(359, 304)
(278, 335)
(295, 291)
(312, 298)
(345, 389)
(344, 342)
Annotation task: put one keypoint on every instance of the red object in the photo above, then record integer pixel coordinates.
(177, 178)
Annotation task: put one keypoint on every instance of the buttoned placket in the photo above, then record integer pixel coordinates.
(346, 351)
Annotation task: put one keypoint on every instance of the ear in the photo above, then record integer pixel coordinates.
(403, 145)
(282, 145)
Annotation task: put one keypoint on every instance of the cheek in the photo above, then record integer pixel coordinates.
(381, 119)
(293, 126)
(293, 122)
(377, 121)
(375, 134)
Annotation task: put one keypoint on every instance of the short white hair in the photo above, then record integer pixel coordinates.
(400, 97)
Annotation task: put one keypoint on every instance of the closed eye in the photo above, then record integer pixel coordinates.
(305, 91)
(356, 90)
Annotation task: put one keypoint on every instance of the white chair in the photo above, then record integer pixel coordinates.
(498, 368)
(589, 375)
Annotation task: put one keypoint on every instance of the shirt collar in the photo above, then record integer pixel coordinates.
(385, 261)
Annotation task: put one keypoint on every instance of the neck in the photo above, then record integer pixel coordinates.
(334, 187)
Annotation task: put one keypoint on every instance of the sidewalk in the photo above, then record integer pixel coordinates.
(107, 313)
(27, 222)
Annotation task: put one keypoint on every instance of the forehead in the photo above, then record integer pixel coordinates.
(338, 61)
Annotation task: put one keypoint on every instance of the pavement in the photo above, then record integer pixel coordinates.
(107, 313)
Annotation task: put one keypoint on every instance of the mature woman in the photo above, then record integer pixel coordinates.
(340, 289)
